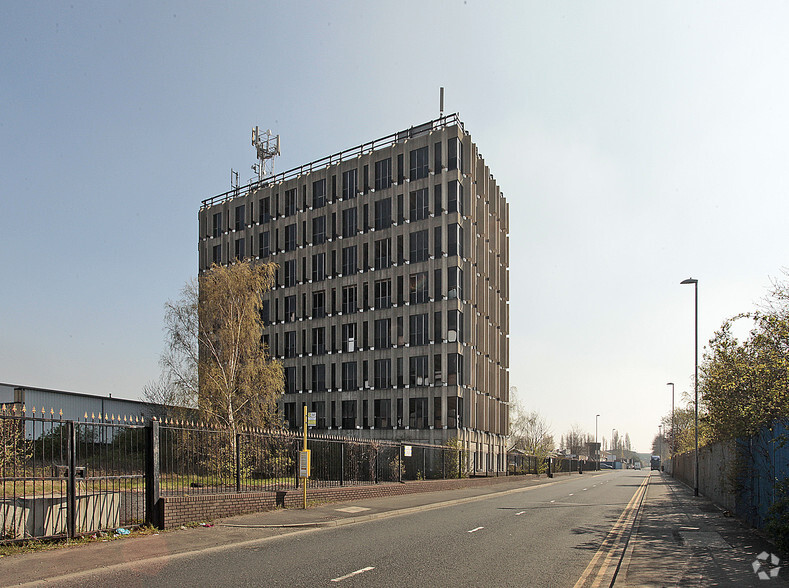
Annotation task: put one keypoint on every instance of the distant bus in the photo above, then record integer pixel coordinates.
(654, 462)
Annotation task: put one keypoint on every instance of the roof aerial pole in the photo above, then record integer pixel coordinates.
(441, 102)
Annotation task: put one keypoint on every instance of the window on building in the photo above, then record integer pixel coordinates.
(417, 413)
(349, 222)
(349, 183)
(383, 294)
(318, 267)
(437, 421)
(455, 154)
(217, 254)
(438, 293)
(455, 240)
(382, 373)
(265, 209)
(290, 343)
(349, 305)
(290, 380)
(290, 308)
(382, 335)
(290, 415)
(437, 368)
(383, 214)
(240, 254)
(240, 217)
(382, 416)
(383, 173)
(264, 249)
(319, 408)
(290, 202)
(349, 381)
(349, 411)
(348, 334)
(437, 158)
(453, 402)
(383, 253)
(437, 245)
(418, 250)
(454, 283)
(318, 230)
(417, 288)
(319, 341)
(319, 193)
(417, 330)
(455, 197)
(349, 265)
(290, 237)
(290, 273)
(417, 370)
(217, 224)
(418, 205)
(454, 369)
(318, 304)
(419, 167)
(455, 326)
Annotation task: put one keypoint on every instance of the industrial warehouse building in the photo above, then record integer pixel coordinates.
(390, 313)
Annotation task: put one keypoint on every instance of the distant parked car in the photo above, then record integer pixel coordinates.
(637, 465)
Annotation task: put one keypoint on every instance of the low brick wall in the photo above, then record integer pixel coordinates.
(180, 510)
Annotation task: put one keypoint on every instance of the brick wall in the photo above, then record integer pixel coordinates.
(180, 510)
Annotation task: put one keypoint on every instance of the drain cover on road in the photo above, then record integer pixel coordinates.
(352, 509)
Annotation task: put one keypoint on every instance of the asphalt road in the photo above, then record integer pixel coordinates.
(542, 536)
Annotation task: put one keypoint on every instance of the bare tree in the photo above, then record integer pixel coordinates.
(529, 431)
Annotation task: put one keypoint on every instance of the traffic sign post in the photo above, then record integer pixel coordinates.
(304, 460)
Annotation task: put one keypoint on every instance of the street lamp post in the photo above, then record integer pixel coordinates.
(613, 445)
(597, 416)
(672, 448)
(696, 380)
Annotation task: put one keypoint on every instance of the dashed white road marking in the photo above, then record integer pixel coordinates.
(553, 501)
(346, 576)
(571, 493)
(517, 514)
(475, 530)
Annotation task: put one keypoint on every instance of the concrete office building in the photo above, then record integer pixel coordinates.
(390, 313)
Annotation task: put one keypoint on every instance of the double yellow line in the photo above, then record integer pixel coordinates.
(597, 571)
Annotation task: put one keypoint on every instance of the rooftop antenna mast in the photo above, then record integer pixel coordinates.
(441, 102)
(267, 147)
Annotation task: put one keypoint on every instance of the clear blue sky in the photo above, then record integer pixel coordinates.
(637, 143)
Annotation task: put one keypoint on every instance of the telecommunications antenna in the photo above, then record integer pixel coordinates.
(267, 147)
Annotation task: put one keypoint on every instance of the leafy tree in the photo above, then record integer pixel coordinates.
(576, 440)
(215, 358)
(745, 385)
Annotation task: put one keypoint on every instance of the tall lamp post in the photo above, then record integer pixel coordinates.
(597, 416)
(671, 447)
(613, 445)
(696, 381)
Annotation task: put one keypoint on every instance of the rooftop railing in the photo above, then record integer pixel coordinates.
(363, 149)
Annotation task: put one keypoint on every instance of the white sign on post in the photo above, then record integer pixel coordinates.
(304, 464)
(312, 419)
(407, 450)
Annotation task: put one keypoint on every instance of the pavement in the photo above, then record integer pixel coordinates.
(679, 539)
(675, 539)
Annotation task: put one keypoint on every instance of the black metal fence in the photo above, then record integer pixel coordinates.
(199, 460)
(63, 478)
